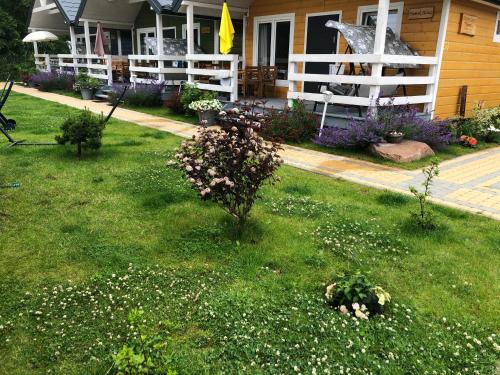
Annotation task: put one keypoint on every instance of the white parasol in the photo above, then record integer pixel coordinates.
(40, 36)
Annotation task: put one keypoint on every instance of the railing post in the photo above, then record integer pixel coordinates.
(159, 43)
(88, 48)
(190, 38)
(109, 61)
(379, 49)
(74, 51)
(234, 78)
(133, 75)
(292, 85)
(47, 63)
(61, 68)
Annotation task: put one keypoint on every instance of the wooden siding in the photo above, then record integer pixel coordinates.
(469, 60)
(420, 34)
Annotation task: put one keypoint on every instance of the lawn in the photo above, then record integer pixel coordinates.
(84, 242)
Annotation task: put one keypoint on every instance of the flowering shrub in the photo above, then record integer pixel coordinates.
(84, 81)
(390, 118)
(293, 124)
(142, 95)
(468, 141)
(356, 295)
(191, 93)
(206, 105)
(483, 124)
(53, 81)
(228, 166)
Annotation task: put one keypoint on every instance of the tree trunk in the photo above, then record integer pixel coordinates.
(79, 150)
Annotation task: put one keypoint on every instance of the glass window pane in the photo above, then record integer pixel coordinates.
(264, 47)
(282, 48)
(498, 27)
(370, 19)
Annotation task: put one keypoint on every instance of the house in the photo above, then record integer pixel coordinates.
(457, 41)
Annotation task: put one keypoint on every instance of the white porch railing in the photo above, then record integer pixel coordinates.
(42, 62)
(153, 66)
(228, 78)
(372, 81)
(97, 67)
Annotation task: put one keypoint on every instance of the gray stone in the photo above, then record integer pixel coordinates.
(403, 152)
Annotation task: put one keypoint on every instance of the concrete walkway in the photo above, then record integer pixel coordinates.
(471, 182)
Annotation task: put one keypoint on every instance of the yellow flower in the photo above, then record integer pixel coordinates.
(382, 295)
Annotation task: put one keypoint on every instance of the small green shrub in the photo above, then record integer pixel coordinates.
(484, 124)
(356, 294)
(86, 82)
(294, 124)
(424, 218)
(83, 130)
(144, 353)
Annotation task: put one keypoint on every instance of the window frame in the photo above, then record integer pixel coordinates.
(140, 31)
(373, 8)
(273, 20)
(196, 29)
(496, 29)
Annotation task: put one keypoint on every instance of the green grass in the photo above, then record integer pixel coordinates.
(164, 112)
(83, 242)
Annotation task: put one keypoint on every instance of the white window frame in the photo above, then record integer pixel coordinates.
(141, 31)
(333, 13)
(290, 17)
(171, 28)
(496, 29)
(197, 29)
(373, 8)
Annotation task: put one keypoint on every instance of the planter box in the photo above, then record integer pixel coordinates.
(87, 94)
(209, 116)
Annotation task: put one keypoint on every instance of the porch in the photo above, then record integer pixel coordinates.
(222, 73)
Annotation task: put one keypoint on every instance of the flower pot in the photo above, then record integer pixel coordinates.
(209, 116)
(87, 94)
(394, 138)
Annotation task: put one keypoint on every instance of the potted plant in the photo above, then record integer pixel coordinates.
(87, 85)
(207, 110)
(394, 137)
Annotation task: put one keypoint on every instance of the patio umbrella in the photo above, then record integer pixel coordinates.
(226, 32)
(40, 36)
(99, 41)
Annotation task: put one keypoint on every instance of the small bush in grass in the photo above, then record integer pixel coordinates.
(356, 295)
(424, 218)
(142, 95)
(83, 130)
(144, 353)
(229, 166)
(484, 124)
(53, 81)
(391, 118)
(292, 125)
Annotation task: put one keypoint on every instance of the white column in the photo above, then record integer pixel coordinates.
(35, 48)
(292, 85)
(159, 38)
(190, 37)
(234, 78)
(216, 38)
(133, 44)
(244, 48)
(73, 47)
(379, 46)
(119, 36)
(88, 47)
(435, 70)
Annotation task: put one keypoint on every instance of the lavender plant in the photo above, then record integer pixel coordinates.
(228, 166)
(50, 81)
(142, 95)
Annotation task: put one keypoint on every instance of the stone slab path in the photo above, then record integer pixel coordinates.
(470, 183)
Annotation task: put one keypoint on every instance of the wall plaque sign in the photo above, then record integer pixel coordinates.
(420, 13)
(468, 24)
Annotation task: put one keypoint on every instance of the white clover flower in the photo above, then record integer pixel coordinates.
(355, 306)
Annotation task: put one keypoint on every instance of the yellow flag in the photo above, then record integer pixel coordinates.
(226, 32)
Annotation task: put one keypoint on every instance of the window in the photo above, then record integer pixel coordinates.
(197, 36)
(273, 43)
(367, 15)
(170, 32)
(496, 36)
(142, 34)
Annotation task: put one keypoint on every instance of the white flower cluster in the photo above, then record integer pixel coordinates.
(206, 105)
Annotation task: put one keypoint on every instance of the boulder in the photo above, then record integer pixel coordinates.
(403, 152)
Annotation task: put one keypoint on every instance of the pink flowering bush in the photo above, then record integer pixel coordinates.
(229, 165)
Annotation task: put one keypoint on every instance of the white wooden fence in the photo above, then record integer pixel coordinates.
(154, 67)
(372, 81)
(228, 78)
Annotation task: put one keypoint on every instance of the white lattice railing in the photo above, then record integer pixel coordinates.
(228, 78)
(97, 67)
(42, 62)
(153, 68)
(371, 81)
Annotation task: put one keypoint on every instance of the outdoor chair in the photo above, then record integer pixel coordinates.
(253, 79)
(269, 76)
(5, 123)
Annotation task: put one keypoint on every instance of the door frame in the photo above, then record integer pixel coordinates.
(335, 12)
(196, 28)
(139, 32)
(290, 17)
